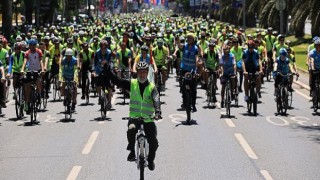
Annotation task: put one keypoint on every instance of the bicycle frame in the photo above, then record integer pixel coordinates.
(187, 85)
(316, 98)
(282, 95)
(253, 99)
(69, 89)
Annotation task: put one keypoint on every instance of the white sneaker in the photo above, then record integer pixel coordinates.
(246, 98)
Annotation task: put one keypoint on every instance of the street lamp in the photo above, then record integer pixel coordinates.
(16, 5)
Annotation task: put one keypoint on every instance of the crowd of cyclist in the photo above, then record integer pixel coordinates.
(71, 51)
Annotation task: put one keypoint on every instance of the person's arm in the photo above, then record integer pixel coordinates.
(24, 63)
(2, 72)
(125, 84)
(10, 66)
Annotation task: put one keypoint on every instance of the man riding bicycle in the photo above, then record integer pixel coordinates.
(314, 57)
(86, 58)
(68, 73)
(281, 65)
(228, 68)
(211, 59)
(101, 58)
(144, 102)
(189, 61)
(160, 53)
(32, 60)
(251, 64)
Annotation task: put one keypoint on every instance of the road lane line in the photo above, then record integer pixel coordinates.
(303, 95)
(266, 175)
(74, 173)
(302, 85)
(245, 146)
(230, 123)
(87, 148)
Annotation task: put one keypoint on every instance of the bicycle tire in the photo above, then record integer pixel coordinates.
(315, 100)
(188, 106)
(54, 91)
(249, 102)
(278, 101)
(33, 106)
(141, 168)
(284, 100)
(228, 98)
(67, 100)
(87, 91)
(103, 105)
(17, 103)
(254, 101)
(290, 98)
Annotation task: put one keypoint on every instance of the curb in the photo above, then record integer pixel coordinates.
(300, 83)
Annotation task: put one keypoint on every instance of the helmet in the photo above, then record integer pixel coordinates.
(144, 48)
(32, 42)
(18, 38)
(146, 29)
(314, 39)
(70, 41)
(17, 45)
(181, 38)
(81, 33)
(142, 65)
(69, 52)
(317, 42)
(191, 35)
(283, 52)
(46, 38)
(160, 41)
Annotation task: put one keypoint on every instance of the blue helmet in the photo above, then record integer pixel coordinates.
(283, 52)
(32, 42)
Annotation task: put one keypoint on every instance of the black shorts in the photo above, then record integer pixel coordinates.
(31, 76)
(102, 80)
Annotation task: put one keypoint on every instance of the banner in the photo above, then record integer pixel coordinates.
(102, 5)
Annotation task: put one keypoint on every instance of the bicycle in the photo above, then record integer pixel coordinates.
(269, 68)
(290, 97)
(282, 97)
(212, 86)
(159, 82)
(316, 96)
(170, 65)
(87, 88)
(43, 98)
(142, 146)
(67, 102)
(125, 74)
(253, 98)
(34, 96)
(103, 99)
(188, 82)
(8, 83)
(19, 97)
(229, 94)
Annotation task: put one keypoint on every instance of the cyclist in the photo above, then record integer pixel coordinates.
(15, 64)
(124, 57)
(314, 57)
(292, 60)
(281, 65)
(278, 46)
(47, 66)
(4, 54)
(2, 87)
(251, 64)
(145, 57)
(68, 72)
(86, 58)
(55, 54)
(237, 52)
(33, 61)
(228, 68)
(144, 102)
(211, 59)
(160, 54)
(102, 57)
(189, 60)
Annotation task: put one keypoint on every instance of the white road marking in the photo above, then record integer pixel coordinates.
(74, 173)
(230, 123)
(87, 148)
(176, 118)
(245, 146)
(266, 175)
(315, 124)
(303, 95)
(302, 85)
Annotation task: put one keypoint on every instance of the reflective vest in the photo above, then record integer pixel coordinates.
(3, 54)
(141, 106)
(17, 64)
(85, 56)
(126, 54)
(188, 58)
(159, 56)
(211, 62)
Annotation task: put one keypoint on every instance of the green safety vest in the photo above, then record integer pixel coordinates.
(278, 47)
(237, 54)
(3, 53)
(159, 56)
(211, 62)
(17, 65)
(126, 53)
(85, 56)
(141, 107)
(270, 40)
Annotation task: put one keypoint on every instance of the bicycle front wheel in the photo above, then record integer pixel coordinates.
(284, 100)
(228, 98)
(141, 168)
(188, 106)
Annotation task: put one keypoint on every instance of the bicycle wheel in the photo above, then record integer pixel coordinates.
(141, 168)
(254, 101)
(278, 99)
(17, 102)
(103, 105)
(67, 107)
(33, 106)
(315, 100)
(289, 99)
(55, 89)
(284, 100)
(188, 106)
(209, 92)
(228, 98)
(87, 90)
(250, 99)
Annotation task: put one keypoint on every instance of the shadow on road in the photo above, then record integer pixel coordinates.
(315, 130)
(185, 123)
(99, 119)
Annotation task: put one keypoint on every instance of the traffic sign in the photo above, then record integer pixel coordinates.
(281, 5)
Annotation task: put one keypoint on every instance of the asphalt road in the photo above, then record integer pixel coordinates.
(268, 146)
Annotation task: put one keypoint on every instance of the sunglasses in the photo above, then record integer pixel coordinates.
(250, 47)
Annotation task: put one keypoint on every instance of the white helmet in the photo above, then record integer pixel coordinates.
(69, 52)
